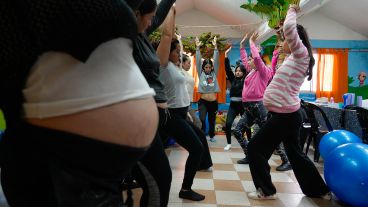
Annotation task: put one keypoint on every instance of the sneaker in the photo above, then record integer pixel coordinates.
(227, 147)
(284, 167)
(243, 161)
(327, 196)
(258, 195)
(191, 195)
(212, 139)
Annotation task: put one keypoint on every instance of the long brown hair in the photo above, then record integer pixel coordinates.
(305, 39)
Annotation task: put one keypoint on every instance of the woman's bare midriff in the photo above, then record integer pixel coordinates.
(209, 96)
(130, 123)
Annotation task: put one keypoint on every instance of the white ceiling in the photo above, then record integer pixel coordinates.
(214, 14)
(351, 13)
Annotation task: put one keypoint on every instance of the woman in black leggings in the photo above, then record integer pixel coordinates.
(177, 125)
(153, 171)
(236, 108)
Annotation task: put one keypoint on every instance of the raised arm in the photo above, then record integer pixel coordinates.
(198, 57)
(163, 50)
(291, 35)
(258, 62)
(162, 10)
(243, 54)
(229, 73)
(215, 56)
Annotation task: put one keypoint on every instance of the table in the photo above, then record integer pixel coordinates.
(334, 115)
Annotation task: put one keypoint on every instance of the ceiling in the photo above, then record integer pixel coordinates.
(227, 18)
(353, 14)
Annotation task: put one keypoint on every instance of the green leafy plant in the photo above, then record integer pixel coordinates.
(274, 11)
(189, 45)
(207, 47)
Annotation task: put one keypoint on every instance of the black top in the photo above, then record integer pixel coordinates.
(145, 55)
(31, 27)
(236, 83)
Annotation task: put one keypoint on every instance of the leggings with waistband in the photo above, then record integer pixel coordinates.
(45, 167)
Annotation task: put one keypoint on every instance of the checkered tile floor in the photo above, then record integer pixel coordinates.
(228, 183)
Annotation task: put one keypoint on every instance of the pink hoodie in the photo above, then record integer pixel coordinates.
(257, 80)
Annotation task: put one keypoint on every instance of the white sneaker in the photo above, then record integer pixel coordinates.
(327, 196)
(258, 195)
(227, 147)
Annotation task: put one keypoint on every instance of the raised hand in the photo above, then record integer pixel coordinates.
(244, 38)
(254, 37)
(295, 7)
(227, 51)
(197, 42)
(214, 42)
(178, 36)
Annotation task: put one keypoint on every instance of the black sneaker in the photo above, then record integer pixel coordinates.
(284, 167)
(191, 195)
(243, 161)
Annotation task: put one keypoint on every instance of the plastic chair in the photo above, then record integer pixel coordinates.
(362, 114)
(315, 132)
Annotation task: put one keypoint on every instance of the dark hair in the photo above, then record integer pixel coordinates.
(147, 6)
(174, 44)
(134, 4)
(184, 58)
(305, 39)
(205, 62)
(143, 6)
(242, 69)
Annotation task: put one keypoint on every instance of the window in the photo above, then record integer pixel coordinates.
(325, 77)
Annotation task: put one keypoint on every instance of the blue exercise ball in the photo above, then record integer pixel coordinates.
(336, 138)
(346, 173)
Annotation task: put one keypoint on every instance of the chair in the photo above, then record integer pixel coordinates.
(362, 114)
(313, 129)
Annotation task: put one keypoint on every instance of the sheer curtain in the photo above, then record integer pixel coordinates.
(332, 73)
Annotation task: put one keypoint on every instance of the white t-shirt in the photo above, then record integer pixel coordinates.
(59, 84)
(175, 86)
(190, 84)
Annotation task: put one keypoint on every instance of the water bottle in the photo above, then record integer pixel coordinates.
(332, 100)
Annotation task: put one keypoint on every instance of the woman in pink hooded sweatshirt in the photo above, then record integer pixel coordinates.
(255, 83)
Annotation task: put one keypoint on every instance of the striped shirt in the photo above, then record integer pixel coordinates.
(282, 94)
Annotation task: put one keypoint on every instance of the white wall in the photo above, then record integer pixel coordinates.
(323, 28)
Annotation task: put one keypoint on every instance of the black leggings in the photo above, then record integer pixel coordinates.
(179, 128)
(283, 128)
(62, 169)
(211, 108)
(235, 109)
(153, 172)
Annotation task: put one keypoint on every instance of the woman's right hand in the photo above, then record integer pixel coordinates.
(197, 42)
(162, 105)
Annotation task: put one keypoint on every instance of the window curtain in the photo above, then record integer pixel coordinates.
(332, 73)
(221, 78)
